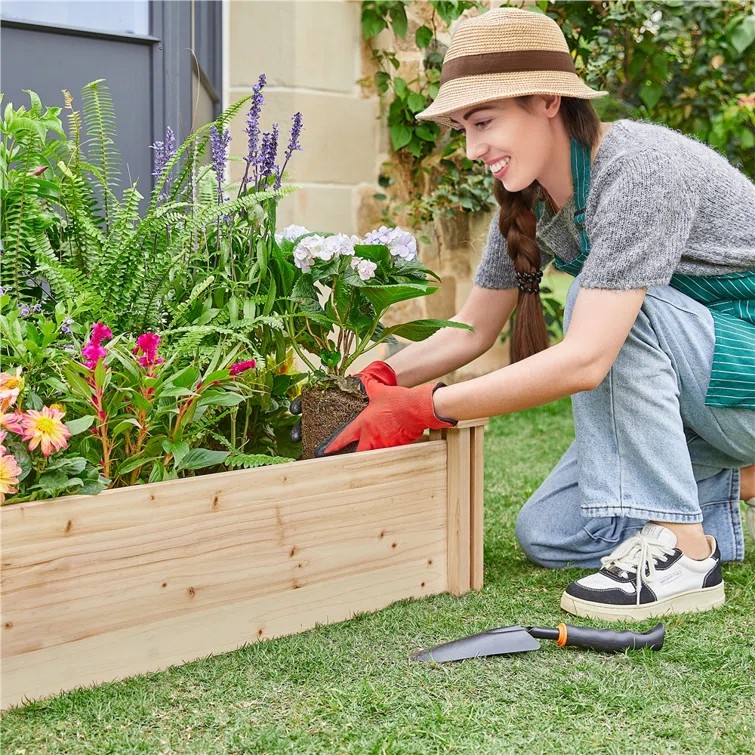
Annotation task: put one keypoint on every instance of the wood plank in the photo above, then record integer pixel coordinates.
(179, 639)
(477, 507)
(458, 445)
(169, 553)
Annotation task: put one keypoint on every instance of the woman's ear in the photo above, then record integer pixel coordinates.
(551, 104)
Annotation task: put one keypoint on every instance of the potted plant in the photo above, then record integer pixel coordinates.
(341, 288)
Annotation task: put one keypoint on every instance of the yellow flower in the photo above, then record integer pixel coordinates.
(9, 472)
(45, 428)
(10, 387)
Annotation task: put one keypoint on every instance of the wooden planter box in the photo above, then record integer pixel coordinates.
(138, 579)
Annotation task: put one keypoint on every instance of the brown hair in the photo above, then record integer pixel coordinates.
(517, 222)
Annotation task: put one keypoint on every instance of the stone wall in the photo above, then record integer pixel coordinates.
(314, 57)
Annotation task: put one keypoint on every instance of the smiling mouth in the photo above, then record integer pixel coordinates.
(500, 165)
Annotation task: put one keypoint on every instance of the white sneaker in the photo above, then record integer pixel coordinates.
(647, 575)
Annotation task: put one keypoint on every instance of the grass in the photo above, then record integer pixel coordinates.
(349, 688)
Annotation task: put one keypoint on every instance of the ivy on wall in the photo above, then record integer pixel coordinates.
(690, 66)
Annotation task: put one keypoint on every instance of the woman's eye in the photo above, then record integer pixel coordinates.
(480, 125)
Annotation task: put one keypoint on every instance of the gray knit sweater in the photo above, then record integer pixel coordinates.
(659, 203)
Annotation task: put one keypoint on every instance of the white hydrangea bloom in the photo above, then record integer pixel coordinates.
(340, 245)
(306, 251)
(400, 242)
(291, 233)
(365, 268)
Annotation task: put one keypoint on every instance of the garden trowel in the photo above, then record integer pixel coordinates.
(504, 640)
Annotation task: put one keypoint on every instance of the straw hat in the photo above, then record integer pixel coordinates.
(505, 52)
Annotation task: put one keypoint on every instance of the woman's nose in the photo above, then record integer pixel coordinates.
(475, 148)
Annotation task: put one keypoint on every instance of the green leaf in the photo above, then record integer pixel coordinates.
(401, 135)
(382, 297)
(650, 94)
(217, 398)
(374, 252)
(372, 24)
(744, 35)
(418, 330)
(416, 102)
(400, 87)
(198, 458)
(53, 482)
(76, 426)
(398, 16)
(134, 463)
(382, 82)
(423, 36)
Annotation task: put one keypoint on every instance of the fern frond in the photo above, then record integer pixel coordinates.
(249, 461)
(177, 313)
(99, 119)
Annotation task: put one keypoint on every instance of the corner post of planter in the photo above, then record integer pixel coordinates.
(464, 444)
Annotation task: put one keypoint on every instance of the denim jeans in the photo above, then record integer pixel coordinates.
(647, 448)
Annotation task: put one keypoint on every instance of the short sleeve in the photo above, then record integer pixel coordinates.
(638, 218)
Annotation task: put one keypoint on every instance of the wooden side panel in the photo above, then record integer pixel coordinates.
(137, 579)
(459, 537)
(477, 507)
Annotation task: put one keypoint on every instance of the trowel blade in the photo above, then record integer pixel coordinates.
(492, 642)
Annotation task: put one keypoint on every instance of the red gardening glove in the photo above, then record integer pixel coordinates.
(394, 416)
(380, 371)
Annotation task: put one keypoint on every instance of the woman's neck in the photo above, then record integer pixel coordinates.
(558, 181)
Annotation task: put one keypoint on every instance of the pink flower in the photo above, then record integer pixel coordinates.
(9, 474)
(10, 387)
(93, 351)
(148, 343)
(46, 428)
(12, 422)
(239, 367)
(100, 332)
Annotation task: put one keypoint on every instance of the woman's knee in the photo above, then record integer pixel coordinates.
(533, 536)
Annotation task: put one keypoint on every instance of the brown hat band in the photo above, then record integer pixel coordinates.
(512, 61)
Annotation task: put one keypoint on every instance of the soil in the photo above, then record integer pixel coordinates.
(324, 410)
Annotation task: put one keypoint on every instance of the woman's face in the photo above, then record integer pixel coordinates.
(514, 139)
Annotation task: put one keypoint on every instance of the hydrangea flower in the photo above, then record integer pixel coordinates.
(45, 429)
(365, 268)
(340, 244)
(306, 251)
(291, 233)
(399, 242)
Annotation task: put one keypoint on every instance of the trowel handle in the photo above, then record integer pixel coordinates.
(605, 640)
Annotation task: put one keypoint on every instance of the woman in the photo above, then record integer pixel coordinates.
(659, 350)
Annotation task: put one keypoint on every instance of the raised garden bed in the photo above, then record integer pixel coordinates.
(138, 579)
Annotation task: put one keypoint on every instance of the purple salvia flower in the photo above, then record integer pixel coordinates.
(219, 141)
(269, 154)
(163, 152)
(252, 129)
(293, 145)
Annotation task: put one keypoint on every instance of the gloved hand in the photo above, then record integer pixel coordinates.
(380, 371)
(394, 416)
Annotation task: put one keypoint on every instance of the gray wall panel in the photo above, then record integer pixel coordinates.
(48, 62)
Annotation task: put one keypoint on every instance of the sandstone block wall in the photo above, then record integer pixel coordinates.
(314, 57)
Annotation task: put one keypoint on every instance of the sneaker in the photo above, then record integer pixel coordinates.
(750, 516)
(647, 575)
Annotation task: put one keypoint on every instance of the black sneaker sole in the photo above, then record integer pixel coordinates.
(692, 601)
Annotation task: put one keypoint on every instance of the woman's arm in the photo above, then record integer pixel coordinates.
(600, 323)
(485, 310)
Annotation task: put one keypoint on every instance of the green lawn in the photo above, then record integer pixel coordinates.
(350, 688)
